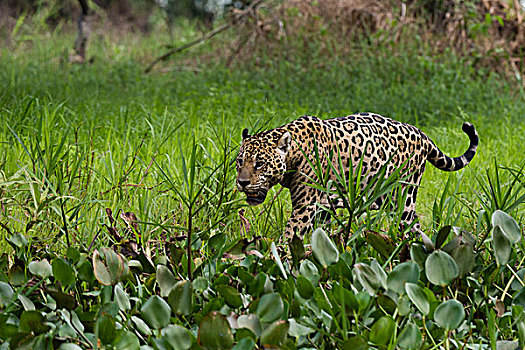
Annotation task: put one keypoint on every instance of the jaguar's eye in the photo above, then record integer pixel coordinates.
(259, 164)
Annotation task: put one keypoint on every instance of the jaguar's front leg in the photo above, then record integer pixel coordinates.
(300, 223)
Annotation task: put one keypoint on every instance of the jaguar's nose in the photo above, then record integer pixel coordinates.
(242, 184)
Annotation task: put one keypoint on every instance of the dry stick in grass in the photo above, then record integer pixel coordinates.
(206, 36)
(4, 226)
(139, 185)
(239, 47)
(178, 69)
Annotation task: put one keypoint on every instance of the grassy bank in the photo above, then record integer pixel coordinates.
(120, 127)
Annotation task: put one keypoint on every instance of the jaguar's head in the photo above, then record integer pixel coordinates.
(261, 163)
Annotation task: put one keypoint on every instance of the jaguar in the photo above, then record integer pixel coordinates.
(284, 156)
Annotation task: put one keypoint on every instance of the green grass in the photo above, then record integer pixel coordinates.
(102, 135)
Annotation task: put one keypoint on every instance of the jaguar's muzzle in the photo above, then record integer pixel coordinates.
(255, 198)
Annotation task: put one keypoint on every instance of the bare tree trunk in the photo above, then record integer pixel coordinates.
(84, 29)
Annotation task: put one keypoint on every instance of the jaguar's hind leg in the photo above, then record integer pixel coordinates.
(409, 214)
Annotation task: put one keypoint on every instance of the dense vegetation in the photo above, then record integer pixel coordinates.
(102, 155)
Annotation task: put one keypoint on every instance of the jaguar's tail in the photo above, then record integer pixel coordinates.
(446, 163)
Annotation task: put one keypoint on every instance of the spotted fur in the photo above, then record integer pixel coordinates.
(280, 156)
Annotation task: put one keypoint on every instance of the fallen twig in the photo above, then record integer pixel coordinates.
(206, 36)
(4, 226)
(177, 69)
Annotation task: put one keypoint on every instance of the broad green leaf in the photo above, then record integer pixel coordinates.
(277, 259)
(250, 322)
(63, 272)
(418, 297)
(69, 346)
(323, 248)
(403, 305)
(507, 224)
(218, 241)
(517, 312)
(62, 299)
(6, 293)
(305, 288)
(179, 338)
(507, 345)
(241, 333)
(449, 314)
(440, 268)
(165, 280)
(29, 319)
(85, 272)
(382, 330)
(275, 334)
(7, 328)
(136, 264)
(105, 328)
(363, 299)
(40, 268)
(32, 321)
(257, 286)
(465, 259)
(26, 302)
(297, 330)
(126, 340)
(382, 243)
(357, 342)
(73, 254)
(427, 242)
(452, 245)
(516, 284)
(419, 255)
(442, 236)
(17, 240)
(71, 318)
(519, 298)
(367, 277)
(200, 284)
(122, 298)
(380, 273)
(310, 271)
(387, 303)
(401, 274)
(180, 298)
(231, 296)
(502, 246)
(156, 312)
(109, 267)
(215, 332)
(67, 330)
(270, 307)
(246, 343)
(410, 337)
(345, 296)
(141, 326)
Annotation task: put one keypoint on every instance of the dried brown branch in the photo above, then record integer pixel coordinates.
(237, 16)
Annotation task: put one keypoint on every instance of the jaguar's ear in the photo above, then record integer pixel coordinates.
(284, 142)
(245, 134)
